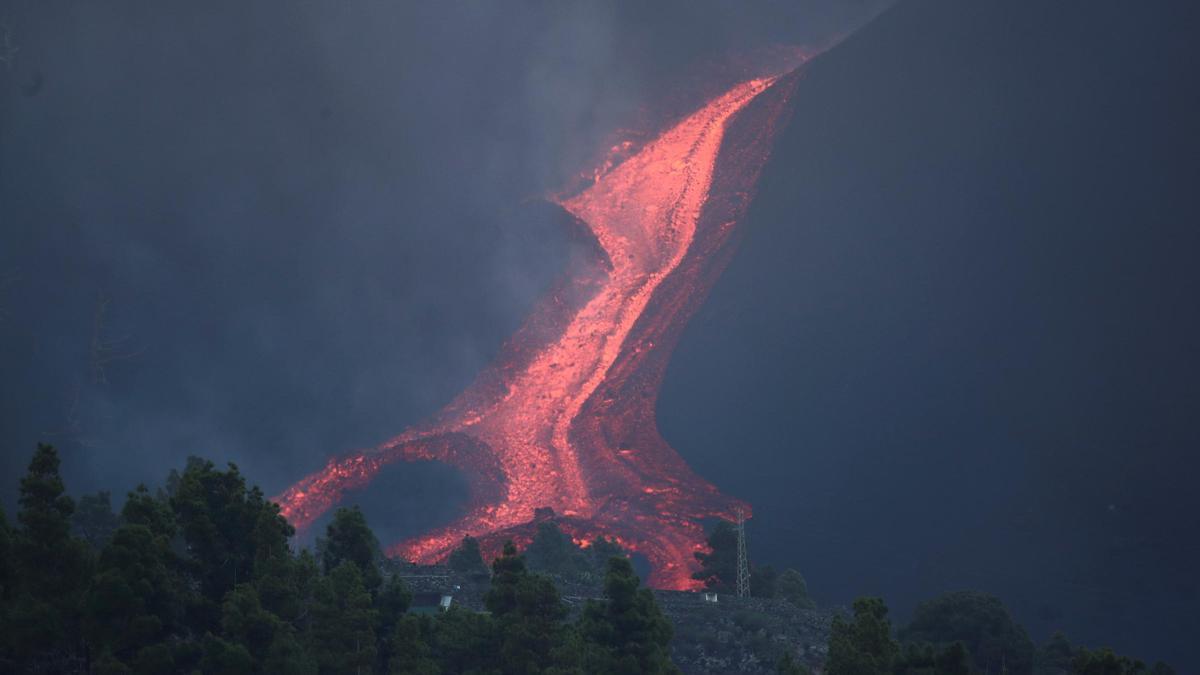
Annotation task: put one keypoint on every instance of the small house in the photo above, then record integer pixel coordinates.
(430, 603)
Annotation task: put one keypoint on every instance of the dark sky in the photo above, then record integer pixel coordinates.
(957, 348)
(314, 223)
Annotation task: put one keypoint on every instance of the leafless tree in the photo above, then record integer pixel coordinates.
(72, 430)
(105, 350)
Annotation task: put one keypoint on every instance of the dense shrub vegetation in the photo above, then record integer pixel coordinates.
(942, 634)
(201, 576)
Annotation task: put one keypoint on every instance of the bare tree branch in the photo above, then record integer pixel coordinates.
(105, 351)
(74, 425)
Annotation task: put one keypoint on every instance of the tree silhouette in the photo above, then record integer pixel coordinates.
(627, 633)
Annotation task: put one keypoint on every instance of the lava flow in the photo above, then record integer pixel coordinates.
(564, 421)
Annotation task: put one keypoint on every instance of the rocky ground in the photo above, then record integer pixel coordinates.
(743, 635)
(731, 635)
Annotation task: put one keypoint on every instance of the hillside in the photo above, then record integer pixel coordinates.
(742, 635)
(968, 269)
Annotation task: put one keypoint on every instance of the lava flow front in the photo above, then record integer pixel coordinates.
(565, 420)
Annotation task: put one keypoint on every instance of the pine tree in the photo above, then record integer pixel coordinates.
(275, 569)
(217, 515)
(391, 603)
(531, 633)
(409, 647)
(764, 582)
(528, 614)
(955, 660)
(467, 559)
(7, 579)
(306, 575)
(465, 642)
(1055, 654)
(343, 633)
(718, 567)
(552, 551)
(981, 622)
(927, 660)
(94, 521)
(135, 599)
(601, 550)
(50, 562)
(507, 572)
(286, 656)
(221, 657)
(1106, 662)
(134, 610)
(142, 508)
(348, 538)
(154, 658)
(792, 587)
(863, 646)
(788, 665)
(246, 623)
(51, 567)
(628, 633)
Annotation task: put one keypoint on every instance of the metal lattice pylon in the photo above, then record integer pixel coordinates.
(743, 562)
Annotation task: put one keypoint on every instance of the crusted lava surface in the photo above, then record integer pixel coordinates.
(564, 419)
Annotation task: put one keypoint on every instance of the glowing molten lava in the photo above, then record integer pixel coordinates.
(565, 418)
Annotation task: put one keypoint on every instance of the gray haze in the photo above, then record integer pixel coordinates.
(313, 222)
(957, 349)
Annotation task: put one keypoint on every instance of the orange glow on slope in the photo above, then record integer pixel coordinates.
(564, 419)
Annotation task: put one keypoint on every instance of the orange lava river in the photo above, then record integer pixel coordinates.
(565, 417)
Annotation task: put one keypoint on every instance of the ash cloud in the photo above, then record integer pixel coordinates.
(312, 220)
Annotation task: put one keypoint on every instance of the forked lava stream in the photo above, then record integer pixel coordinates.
(565, 417)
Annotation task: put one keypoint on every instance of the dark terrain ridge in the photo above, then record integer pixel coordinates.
(972, 259)
(864, 326)
(743, 635)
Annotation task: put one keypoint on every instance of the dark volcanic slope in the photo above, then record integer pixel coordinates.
(963, 325)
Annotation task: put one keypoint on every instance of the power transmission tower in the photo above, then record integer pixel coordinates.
(743, 563)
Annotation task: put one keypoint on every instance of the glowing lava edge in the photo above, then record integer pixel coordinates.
(564, 419)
